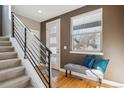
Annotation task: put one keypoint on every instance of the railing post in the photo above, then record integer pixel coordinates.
(49, 69)
(25, 43)
(12, 20)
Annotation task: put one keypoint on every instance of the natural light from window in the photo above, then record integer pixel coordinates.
(86, 32)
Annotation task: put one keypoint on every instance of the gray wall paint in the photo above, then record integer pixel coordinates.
(30, 23)
(0, 20)
(113, 37)
(6, 21)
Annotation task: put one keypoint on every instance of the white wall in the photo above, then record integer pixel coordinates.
(34, 25)
(35, 79)
(6, 20)
(37, 33)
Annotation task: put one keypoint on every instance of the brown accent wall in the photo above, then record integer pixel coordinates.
(0, 20)
(113, 39)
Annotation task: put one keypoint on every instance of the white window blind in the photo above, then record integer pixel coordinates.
(86, 32)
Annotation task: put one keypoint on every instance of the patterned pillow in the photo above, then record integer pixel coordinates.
(88, 62)
(101, 65)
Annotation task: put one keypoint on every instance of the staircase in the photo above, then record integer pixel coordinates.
(12, 73)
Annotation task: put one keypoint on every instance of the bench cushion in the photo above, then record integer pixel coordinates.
(94, 73)
(76, 68)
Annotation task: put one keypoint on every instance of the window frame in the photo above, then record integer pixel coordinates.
(101, 34)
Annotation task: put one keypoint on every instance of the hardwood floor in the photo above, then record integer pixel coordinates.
(60, 81)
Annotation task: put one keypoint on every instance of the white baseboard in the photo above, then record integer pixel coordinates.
(109, 82)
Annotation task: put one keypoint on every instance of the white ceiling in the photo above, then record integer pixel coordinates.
(48, 11)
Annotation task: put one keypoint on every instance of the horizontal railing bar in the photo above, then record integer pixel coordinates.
(33, 56)
(22, 41)
(35, 59)
(36, 69)
(42, 50)
(18, 27)
(40, 42)
(40, 53)
(34, 51)
(33, 34)
(18, 19)
(19, 32)
(39, 69)
(17, 23)
(37, 42)
(37, 55)
(19, 43)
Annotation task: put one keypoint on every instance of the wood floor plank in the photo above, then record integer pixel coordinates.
(60, 81)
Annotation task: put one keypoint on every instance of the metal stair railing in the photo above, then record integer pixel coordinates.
(34, 50)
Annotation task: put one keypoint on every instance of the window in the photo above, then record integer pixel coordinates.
(86, 32)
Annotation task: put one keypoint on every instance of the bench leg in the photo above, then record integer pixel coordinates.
(100, 82)
(70, 72)
(66, 73)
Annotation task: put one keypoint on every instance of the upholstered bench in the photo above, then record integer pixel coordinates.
(83, 70)
(93, 67)
(75, 68)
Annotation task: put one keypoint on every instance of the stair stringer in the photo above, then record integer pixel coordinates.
(29, 70)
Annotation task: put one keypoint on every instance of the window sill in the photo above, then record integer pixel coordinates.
(89, 53)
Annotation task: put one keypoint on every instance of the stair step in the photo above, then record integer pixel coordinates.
(9, 63)
(11, 73)
(19, 82)
(3, 38)
(6, 49)
(5, 43)
(8, 55)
